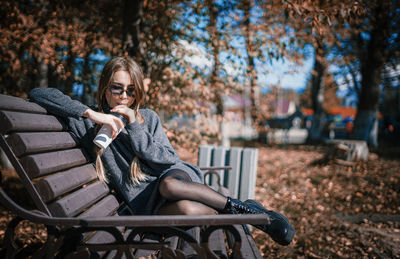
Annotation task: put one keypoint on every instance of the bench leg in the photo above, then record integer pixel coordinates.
(10, 248)
(35, 250)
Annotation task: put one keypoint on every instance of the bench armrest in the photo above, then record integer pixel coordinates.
(134, 221)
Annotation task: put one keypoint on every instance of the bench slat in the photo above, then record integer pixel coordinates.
(205, 153)
(45, 163)
(219, 160)
(235, 159)
(248, 248)
(249, 174)
(216, 243)
(103, 237)
(26, 143)
(20, 121)
(13, 103)
(142, 253)
(76, 202)
(145, 253)
(185, 247)
(105, 207)
(58, 184)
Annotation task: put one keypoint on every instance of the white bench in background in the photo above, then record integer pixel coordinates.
(241, 179)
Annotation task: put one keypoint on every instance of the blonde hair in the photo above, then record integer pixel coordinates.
(129, 65)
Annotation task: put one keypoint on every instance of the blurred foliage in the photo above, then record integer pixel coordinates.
(64, 44)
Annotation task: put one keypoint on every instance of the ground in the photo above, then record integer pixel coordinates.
(338, 211)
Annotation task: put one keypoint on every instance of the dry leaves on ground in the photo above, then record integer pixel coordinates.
(312, 193)
(337, 211)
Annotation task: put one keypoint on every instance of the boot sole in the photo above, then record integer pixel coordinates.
(290, 233)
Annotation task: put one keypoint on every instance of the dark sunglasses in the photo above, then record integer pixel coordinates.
(118, 90)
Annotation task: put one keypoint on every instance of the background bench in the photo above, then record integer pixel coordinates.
(240, 179)
(82, 215)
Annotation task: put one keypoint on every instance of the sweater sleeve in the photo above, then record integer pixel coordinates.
(149, 141)
(57, 103)
(61, 105)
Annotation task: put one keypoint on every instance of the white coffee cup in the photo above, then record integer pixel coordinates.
(104, 137)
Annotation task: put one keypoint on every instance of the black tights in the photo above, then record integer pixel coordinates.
(187, 197)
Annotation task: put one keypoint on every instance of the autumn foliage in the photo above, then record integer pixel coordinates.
(64, 44)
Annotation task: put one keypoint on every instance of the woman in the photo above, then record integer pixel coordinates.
(140, 164)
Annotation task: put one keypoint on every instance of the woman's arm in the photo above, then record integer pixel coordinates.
(57, 103)
(151, 145)
(101, 118)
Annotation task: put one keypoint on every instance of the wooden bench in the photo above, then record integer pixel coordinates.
(240, 179)
(82, 215)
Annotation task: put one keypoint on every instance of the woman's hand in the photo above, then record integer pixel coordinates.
(107, 119)
(125, 111)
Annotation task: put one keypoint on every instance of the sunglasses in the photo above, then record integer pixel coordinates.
(118, 90)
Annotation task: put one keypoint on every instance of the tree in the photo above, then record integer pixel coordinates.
(215, 81)
(249, 32)
(43, 39)
(370, 27)
(377, 41)
(317, 92)
(318, 23)
(132, 18)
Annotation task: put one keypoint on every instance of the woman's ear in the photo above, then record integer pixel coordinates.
(146, 83)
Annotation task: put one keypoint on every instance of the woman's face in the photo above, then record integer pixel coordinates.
(121, 90)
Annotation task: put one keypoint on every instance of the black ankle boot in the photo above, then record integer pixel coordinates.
(279, 229)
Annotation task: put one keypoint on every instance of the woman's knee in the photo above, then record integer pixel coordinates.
(168, 187)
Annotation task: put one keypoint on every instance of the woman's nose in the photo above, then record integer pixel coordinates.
(124, 95)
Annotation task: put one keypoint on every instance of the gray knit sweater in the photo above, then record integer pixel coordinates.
(147, 141)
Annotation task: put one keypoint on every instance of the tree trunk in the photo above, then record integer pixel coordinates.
(251, 70)
(88, 94)
(372, 63)
(43, 79)
(215, 81)
(317, 95)
(69, 69)
(132, 17)
(366, 126)
(214, 41)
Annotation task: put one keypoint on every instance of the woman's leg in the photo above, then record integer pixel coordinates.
(188, 197)
(186, 207)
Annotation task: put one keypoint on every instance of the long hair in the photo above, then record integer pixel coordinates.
(110, 68)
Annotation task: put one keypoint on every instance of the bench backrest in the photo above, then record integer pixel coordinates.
(54, 170)
(241, 179)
